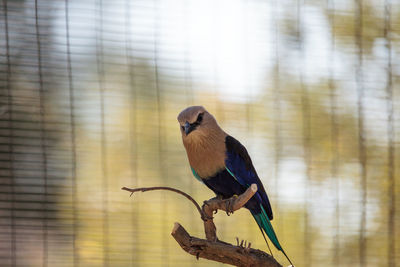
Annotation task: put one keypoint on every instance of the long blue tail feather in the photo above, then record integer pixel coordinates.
(263, 221)
(265, 224)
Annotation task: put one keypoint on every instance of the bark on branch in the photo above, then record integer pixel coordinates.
(229, 205)
(211, 248)
(221, 251)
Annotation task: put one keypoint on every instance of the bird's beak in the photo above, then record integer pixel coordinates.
(188, 128)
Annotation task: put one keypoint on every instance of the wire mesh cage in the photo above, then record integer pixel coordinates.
(90, 91)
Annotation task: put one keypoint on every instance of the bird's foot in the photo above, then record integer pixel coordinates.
(217, 197)
(243, 244)
(229, 204)
(204, 216)
(205, 203)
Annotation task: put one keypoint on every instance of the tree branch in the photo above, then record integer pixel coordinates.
(212, 248)
(222, 252)
(229, 205)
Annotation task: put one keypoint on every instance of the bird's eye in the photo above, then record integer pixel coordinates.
(182, 128)
(200, 117)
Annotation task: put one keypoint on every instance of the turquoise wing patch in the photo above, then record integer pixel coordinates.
(231, 173)
(196, 175)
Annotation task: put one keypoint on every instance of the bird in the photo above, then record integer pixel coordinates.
(223, 164)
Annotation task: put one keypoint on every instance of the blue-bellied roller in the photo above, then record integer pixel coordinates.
(222, 163)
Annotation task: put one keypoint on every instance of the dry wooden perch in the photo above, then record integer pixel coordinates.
(221, 251)
(211, 248)
(229, 205)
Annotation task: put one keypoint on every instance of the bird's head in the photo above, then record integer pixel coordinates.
(195, 122)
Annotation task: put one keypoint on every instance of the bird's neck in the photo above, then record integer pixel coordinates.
(207, 153)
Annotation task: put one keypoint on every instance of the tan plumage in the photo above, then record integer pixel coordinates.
(205, 147)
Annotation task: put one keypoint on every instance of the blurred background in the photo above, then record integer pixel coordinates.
(90, 91)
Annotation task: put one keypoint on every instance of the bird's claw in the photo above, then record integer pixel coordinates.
(218, 197)
(204, 217)
(228, 208)
(205, 203)
(229, 205)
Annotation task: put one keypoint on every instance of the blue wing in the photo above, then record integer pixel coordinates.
(239, 165)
